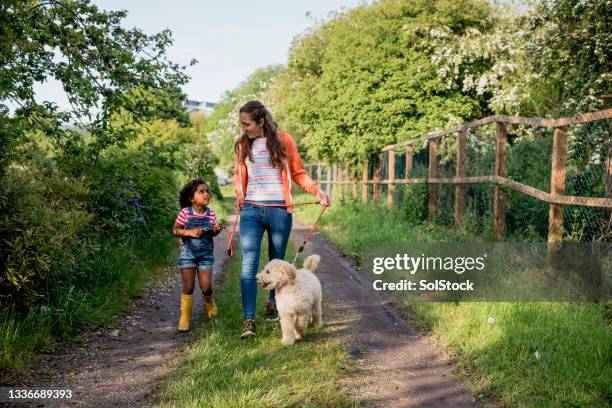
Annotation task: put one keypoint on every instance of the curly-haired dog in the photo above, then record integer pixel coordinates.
(298, 295)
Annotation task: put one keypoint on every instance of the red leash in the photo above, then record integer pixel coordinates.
(301, 248)
(230, 236)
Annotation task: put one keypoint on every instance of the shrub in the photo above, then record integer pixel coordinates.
(43, 229)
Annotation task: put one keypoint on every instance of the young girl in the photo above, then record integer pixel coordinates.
(196, 225)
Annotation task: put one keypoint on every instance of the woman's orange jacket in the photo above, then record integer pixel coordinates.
(293, 169)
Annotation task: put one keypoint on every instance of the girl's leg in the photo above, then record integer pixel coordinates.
(278, 224)
(186, 297)
(188, 280)
(205, 278)
(251, 234)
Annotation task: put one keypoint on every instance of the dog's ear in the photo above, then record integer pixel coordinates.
(287, 273)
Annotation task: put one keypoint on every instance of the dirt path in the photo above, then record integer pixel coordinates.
(124, 366)
(398, 366)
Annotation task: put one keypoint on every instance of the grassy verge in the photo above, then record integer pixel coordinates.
(126, 266)
(221, 370)
(573, 366)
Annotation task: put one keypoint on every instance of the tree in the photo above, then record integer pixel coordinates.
(569, 47)
(98, 63)
(364, 79)
(222, 127)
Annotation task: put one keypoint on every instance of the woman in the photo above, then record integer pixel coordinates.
(267, 161)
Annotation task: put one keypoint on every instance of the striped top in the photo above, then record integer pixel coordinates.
(265, 183)
(183, 216)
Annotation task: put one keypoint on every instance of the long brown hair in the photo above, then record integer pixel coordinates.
(258, 111)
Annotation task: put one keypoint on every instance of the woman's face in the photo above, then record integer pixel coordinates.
(251, 128)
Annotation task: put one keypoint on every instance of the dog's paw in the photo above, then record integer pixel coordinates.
(288, 341)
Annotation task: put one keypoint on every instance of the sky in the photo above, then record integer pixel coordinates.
(230, 39)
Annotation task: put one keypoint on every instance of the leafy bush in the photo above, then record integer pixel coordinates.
(414, 203)
(44, 226)
(130, 194)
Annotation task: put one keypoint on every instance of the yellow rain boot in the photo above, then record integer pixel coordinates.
(211, 306)
(186, 302)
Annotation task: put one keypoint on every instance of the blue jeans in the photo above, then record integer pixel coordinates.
(254, 220)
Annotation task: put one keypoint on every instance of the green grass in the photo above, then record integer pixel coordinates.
(130, 263)
(221, 370)
(574, 341)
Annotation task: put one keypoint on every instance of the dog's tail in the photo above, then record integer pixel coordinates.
(312, 262)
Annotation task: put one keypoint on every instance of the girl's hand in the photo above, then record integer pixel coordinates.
(324, 198)
(216, 229)
(194, 233)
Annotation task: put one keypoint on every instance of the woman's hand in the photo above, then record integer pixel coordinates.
(324, 198)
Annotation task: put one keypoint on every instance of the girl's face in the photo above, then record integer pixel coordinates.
(251, 128)
(201, 196)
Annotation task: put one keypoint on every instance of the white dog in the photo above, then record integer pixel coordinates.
(298, 295)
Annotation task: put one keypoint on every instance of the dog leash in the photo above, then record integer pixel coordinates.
(301, 248)
(230, 236)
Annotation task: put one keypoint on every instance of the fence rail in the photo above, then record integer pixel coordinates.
(342, 180)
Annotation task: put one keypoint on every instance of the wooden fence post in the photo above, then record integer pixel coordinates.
(337, 176)
(557, 184)
(376, 185)
(364, 185)
(339, 181)
(319, 173)
(354, 183)
(347, 180)
(335, 180)
(391, 178)
(500, 170)
(433, 188)
(460, 188)
(328, 177)
(409, 154)
(607, 177)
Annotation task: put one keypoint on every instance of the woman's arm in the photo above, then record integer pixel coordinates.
(296, 165)
(299, 175)
(237, 179)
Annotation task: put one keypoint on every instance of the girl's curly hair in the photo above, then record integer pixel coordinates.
(189, 190)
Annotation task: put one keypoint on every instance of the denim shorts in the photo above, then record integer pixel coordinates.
(196, 257)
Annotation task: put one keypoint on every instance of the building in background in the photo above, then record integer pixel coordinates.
(194, 106)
